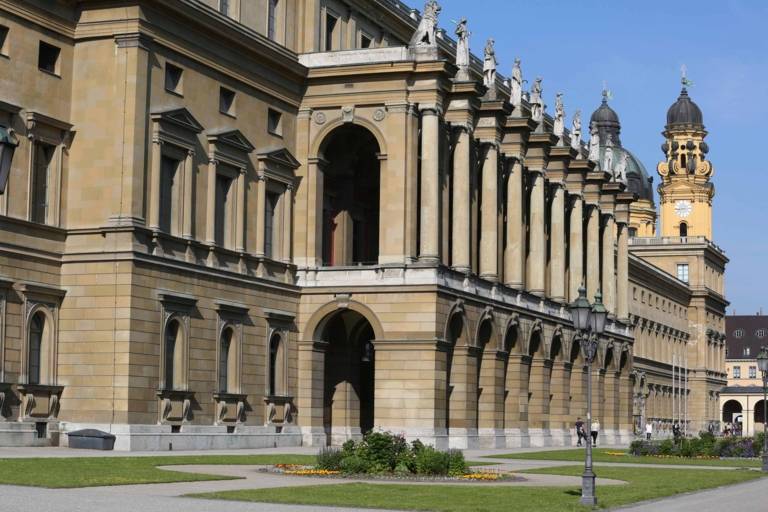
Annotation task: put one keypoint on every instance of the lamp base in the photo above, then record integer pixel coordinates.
(765, 462)
(588, 489)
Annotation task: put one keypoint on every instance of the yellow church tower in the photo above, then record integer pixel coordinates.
(685, 192)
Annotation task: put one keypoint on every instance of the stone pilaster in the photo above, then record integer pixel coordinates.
(514, 251)
(430, 185)
(462, 165)
(489, 229)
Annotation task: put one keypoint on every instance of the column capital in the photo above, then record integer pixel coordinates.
(431, 110)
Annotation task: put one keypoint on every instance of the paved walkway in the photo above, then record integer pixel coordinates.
(747, 497)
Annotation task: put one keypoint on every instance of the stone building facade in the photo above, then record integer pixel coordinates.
(268, 223)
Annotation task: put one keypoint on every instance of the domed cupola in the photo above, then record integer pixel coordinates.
(684, 114)
(607, 121)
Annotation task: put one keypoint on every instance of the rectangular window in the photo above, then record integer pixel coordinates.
(3, 40)
(274, 122)
(224, 7)
(270, 224)
(737, 372)
(48, 58)
(682, 272)
(330, 32)
(753, 372)
(169, 195)
(173, 76)
(226, 101)
(41, 178)
(271, 19)
(223, 216)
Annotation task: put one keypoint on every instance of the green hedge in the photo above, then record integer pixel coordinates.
(386, 453)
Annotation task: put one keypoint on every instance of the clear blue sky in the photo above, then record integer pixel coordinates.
(638, 48)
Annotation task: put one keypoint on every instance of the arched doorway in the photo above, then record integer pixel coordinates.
(731, 410)
(348, 396)
(351, 190)
(758, 414)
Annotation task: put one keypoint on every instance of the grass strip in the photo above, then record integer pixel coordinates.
(609, 455)
(644, 484)
(98, 471)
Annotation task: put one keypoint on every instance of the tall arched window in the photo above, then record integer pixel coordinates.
(172, 354)
(276, 365)
(36, 333)
(228, 375)
(683, 229)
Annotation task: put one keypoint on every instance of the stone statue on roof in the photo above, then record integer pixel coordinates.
(537, 104)
(559, 124)
(489, 65)
(608, 157)
(462, 49)
(576, 131)
(620, 172)
(516, 85)
(425, 32)
(594, 143)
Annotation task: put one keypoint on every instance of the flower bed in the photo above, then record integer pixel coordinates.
(706, 446)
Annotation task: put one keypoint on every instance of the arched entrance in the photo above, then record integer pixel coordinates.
(348, 396)
(351, 190)
(731, 410)
(758, 414)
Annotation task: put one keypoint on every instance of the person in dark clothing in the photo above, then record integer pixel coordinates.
(580, 433)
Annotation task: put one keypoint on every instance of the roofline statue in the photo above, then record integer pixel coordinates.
(462, 49)
(537, 104)
(576, 132)
(489, 68)
(516, 84)
(425, 34)
(594, 143)
(558, 128)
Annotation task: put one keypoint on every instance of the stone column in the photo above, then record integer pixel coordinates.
(514, 251)
(430, 186)
(622, 274)
(516, 402)
(189, 192)
(489, 208)
(210, 224)
(311, 391)
(462, 163)
(593, 252)
(576, 248)
(287, 223)
(557, 245)
(537, 252)
(261, 201)
(609, 265)
(156, 170)
(315, 182)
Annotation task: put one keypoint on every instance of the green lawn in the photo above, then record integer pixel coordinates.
(644, 483)
(602, 455)
(96, 471)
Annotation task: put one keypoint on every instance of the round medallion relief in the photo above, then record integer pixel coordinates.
(379, 114)
(320, 117)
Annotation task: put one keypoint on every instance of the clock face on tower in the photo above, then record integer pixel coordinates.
(683, 208)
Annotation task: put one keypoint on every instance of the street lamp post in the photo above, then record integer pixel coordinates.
(762, 363)
(589, 322)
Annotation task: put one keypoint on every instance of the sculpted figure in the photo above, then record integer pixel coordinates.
(608, 158)
(594, 143)
(559, 124)
(537, 104)
(620, 173)
(516, 84)
(425, 33)
(576, 131)
(489, 65)
(462, 49)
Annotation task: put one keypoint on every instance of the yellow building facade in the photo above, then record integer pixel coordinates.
(248, 224)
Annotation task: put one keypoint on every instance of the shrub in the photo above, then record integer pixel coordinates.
(666, 447)
(431, 462)
(354, 464)
(329, 459)
(457, 466)
(757, 444)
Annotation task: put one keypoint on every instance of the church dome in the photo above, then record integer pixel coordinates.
(607, 121)
(684, 113)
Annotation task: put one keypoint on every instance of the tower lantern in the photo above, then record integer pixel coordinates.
(685, 192)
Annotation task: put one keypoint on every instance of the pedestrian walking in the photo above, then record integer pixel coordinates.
(648, 430)
(594, 430)
(580, 434)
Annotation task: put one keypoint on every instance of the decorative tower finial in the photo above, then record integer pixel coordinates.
(684, 77)
(607, 94)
